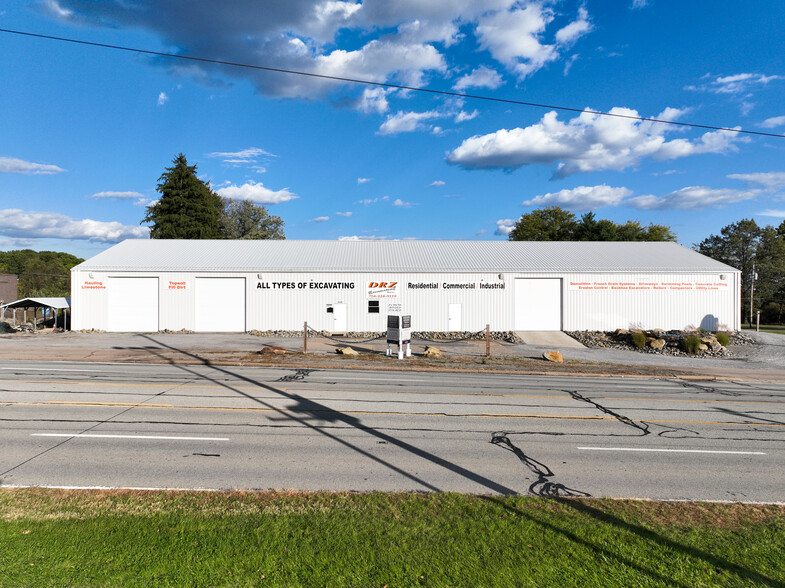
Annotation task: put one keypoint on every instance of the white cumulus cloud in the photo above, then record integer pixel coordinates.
(363, 180)
(401, 204)
(367, 238)
(736, 84)
(482, 77)
(586, 143)
(406, 122)
(769, 180)
(347, 213)
(436, 183)
(11, 165)
(504, 226)
(582, 198)
(256, 192)
(118, 195)
(27, 224)
(162, 98)
(244, 158)
(464, 116)
(319, 219)
(692, 198)
(773, 122)
(515, 37)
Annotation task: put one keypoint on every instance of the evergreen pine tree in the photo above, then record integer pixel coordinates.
(187, 209)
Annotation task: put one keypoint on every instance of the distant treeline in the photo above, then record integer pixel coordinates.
(41, 273)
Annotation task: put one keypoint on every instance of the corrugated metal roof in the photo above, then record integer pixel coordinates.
(404, 256)
(56, 303)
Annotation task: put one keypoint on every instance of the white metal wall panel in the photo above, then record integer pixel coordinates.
(132, 304)
(220, 305)
(538, 304)
(285, 300)
(648, 301)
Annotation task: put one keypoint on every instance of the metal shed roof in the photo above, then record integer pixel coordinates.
(56, 303)
(159, 255)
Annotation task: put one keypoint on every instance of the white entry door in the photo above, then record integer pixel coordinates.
(454, 317)
(133, 305)
(538, 304)
(220, 305)
(339, 318)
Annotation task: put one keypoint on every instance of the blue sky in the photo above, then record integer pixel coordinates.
(86, 132)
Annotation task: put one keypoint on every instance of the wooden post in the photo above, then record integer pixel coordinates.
(487, 340)
(305, 337)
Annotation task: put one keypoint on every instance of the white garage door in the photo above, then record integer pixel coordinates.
(537, 304)
(220, 305)
(133, 305)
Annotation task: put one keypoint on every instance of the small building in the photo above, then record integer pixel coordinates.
(339, 286)
(9, 287)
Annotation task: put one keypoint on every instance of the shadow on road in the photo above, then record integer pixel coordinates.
(320, 412)
(569, 497)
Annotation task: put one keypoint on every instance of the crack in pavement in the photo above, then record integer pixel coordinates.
(298, 376)
(644, 428)
(543, 485)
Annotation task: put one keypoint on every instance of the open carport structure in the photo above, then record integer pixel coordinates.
(54, 304)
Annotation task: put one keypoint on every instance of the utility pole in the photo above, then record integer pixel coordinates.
(753, 277)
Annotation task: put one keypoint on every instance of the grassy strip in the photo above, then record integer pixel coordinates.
(59, 538)
(778, 329)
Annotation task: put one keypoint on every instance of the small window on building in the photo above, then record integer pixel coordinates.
(373, 307)
(329, 308)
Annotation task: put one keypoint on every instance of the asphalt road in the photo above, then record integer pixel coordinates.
(178, 426)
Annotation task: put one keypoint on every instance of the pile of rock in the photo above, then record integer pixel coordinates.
(282, 334)
(659, 341)
(7, 328)
(507, 336)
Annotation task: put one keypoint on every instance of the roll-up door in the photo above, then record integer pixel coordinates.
(538, 304)
(132, 305)
(220, 305)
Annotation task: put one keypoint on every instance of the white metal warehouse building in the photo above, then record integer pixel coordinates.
(339, 286)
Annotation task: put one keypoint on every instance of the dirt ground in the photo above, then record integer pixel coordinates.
(470, 356)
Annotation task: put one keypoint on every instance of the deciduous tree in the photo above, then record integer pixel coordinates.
(245, 220)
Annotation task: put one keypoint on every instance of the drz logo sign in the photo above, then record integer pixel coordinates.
(383, 290)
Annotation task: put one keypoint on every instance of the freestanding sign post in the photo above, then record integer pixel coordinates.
(399, 332)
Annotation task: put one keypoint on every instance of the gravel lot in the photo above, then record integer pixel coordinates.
(763, 361)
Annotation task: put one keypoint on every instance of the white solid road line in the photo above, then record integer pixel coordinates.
(32, 369)
(129, 436)
(671, 450)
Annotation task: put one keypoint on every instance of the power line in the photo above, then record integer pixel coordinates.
(383, 84)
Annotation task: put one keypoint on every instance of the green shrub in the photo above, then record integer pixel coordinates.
(638, 339)
(691, 344)
(723, 339)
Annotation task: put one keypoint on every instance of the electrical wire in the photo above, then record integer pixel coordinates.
(384, 84)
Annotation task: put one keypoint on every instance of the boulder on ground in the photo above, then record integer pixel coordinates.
(434, 352)
(273, 351)
(347, 351)
(657, 344)
(621, 332)
(712, 343)
(554, 356)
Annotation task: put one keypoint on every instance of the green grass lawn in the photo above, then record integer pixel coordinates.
(780, 329)
(125, 538)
